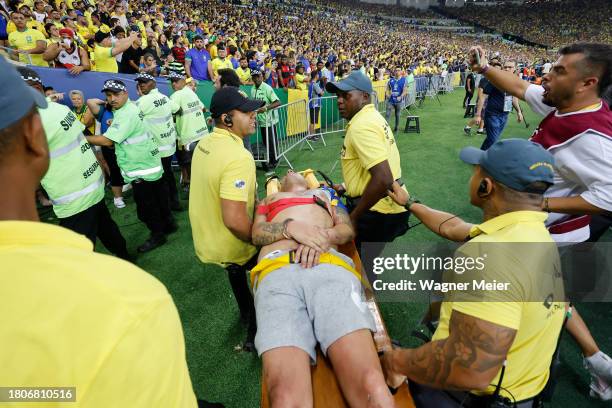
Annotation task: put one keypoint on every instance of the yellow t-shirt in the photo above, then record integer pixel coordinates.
(105, 61)
(243, 74)
(212, 50)
(221, 168)
(529, 262)
(301, 82)
(92, 321)
(32, 24)
(368, 142)
(26, 40)
(218, 64)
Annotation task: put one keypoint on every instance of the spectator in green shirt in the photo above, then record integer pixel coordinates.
(266, 121)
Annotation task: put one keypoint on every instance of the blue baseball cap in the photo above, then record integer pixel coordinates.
(356, 81)
(516, 163)
(17, 103)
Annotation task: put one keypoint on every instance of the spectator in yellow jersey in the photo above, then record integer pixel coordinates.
(301, 79)
(244, 72)
(219, 63)
(105, 51)
(30, 44)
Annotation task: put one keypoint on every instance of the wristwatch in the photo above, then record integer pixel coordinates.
(411, 201)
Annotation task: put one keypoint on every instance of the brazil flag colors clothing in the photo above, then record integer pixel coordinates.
(158, 110)
(70, 192)
(137, 155)
(190, 122)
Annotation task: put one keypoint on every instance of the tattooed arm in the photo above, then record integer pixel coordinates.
(468, 359)
(265, 233)
(342, 231)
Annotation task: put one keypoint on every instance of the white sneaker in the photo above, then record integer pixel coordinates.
(599, 366)
(126, 187)
(119, 203)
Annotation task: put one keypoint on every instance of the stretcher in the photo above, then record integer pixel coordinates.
(325, 387)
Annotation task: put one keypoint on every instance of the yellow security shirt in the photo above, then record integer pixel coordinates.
(221, 168)
(219, 63)
(26, 40)
(517, 249)
(368, 142)
(105, 61)
(75, 318)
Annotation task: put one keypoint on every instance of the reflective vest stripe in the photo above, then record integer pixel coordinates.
(191, 110)
(145, 172)
(157, 121)
(136, 139)
(68, 198)
(166, 148)
(68, 148)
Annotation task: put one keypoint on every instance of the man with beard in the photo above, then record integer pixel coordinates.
(577, 130)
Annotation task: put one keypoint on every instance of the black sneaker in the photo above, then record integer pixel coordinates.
(467, 130)
(152, 243)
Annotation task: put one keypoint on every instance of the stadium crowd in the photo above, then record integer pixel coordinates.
(159, 39)
(124, 320)
(545, 23)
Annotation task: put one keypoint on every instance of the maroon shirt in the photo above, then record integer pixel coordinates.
(179, 53)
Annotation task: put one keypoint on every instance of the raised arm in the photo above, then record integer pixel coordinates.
(51, 52)
(124, 44)
(502, 80)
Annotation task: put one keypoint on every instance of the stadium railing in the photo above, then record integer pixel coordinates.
(289, 130)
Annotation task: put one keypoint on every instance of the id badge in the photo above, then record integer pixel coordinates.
(508, 103)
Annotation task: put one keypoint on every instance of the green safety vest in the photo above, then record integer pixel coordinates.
(158, 110)
(190, 123)
(74, 181)
(137, 154)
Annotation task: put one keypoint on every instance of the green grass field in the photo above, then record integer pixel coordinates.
(432, 171)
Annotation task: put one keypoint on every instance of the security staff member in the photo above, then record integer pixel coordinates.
(139, 161)
(487, 338)
(158, 110)
(222, 196)
(75, 182)
(266, 120)
(64, 297)
(190, 123)
(370, 162)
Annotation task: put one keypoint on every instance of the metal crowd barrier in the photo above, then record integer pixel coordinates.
(330, 121)
(288, 129)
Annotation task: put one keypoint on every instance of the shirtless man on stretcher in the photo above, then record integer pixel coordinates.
(306, 292)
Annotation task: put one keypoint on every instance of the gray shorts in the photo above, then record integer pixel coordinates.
(302, 307)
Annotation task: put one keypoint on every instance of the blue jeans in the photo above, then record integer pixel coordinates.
(494, 124)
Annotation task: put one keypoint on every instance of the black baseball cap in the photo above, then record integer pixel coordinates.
(14, 108)
(229, 98)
